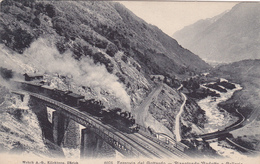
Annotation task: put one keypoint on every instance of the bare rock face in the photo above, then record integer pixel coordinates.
(229, 37)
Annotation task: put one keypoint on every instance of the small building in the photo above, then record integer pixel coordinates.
(31, 77)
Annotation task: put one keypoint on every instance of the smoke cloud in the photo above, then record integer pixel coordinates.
(44, 57)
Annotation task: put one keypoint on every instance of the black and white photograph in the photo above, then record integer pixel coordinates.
(129, 82)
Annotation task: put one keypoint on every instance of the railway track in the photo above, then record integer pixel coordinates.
(232, 127)
(241, 147)
(99, 125)
(157, 146)
(173, 150)
(135, 144)
(178, 145)
(139, 144)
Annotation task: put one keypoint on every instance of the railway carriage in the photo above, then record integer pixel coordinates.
(123, 121)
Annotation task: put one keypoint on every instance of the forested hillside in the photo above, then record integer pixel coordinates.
(84, 27)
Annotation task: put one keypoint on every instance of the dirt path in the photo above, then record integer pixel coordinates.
(180, 87)
(177, 124)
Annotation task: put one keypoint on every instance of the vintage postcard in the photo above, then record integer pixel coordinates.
(129, 82)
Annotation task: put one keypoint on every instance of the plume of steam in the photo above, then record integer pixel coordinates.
(45, 57)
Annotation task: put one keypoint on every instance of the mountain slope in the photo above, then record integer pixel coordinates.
(188, 33)
(97, 49)
(105, 25)
(228, 37)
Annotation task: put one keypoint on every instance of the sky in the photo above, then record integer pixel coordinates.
(173, 16)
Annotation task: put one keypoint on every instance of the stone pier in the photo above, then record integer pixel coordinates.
(72, 135)
(59, 123)
(91, 144)
(66, 132)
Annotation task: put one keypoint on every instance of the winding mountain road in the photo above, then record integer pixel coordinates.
(180, 87)
(177, 123)
(142, 110)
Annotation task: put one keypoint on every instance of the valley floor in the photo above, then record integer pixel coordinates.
(246, 101)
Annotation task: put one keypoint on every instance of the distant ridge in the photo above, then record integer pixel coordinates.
(229, 37)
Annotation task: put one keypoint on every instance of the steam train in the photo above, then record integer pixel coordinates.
(123, 121)
(120, 120)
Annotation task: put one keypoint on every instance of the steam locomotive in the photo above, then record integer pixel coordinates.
(120, 120)
(123, 121)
